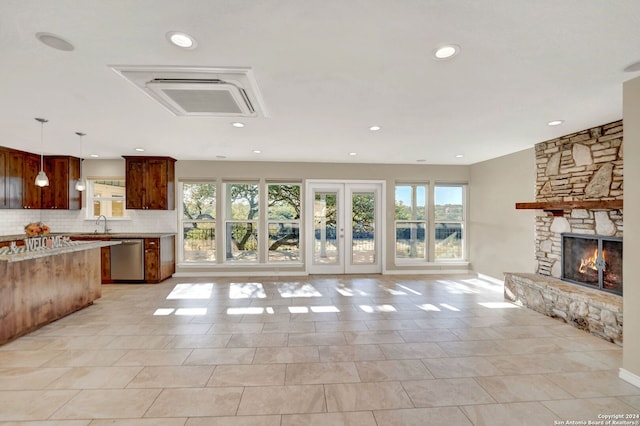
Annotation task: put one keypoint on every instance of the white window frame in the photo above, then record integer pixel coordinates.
(182, 220)
(424, 222)
(91, 198)
(226, 220)
(298, 222)
(463, 223)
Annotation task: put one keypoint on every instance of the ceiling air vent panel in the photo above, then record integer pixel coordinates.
(191, 91)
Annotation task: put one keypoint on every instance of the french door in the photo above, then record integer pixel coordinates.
(344, 225)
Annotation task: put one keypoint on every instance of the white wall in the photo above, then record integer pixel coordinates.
(502, 239)
(631, 253)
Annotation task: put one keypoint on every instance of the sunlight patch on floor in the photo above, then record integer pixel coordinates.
(428, 307)
(191, 291)
(377, 308)
(499, 305)
(296, 289)
(246, 291)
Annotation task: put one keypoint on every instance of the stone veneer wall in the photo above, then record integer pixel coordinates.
(587, 165)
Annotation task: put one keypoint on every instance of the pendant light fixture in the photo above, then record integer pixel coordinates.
(80, 184)
(42, 179)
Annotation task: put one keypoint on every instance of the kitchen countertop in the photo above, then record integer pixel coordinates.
(19, 237)
(72, 247)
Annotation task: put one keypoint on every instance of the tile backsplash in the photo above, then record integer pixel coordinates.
(13, 221)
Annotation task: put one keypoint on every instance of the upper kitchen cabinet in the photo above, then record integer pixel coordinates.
(150, 183)
(11, 167)
(63, 172)
(31, 194)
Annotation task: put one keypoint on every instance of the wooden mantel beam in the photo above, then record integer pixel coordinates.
(558, 207)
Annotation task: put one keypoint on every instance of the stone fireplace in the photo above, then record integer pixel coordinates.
(579, 193)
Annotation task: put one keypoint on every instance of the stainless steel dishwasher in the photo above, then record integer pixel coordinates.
(127, 260)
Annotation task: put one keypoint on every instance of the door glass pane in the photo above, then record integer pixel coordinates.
(325, 249)
(363, 243)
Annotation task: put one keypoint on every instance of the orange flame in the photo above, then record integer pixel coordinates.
(590, 262)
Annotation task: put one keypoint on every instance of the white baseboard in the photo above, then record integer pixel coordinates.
(628, 376)
(427, 272)
(221, 274)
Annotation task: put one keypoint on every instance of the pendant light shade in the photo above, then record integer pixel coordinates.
(80, 184)
(42, 179)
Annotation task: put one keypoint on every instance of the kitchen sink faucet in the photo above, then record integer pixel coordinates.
(105, 223)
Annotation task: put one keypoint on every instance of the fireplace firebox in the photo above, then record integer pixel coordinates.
(592, 260)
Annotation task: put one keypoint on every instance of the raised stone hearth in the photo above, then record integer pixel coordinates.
(594, 311)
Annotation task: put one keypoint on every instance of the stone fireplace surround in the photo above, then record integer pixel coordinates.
(585, 166)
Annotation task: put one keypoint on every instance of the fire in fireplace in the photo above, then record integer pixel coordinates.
(593, 261)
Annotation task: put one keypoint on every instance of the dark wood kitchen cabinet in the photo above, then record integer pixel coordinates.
(150, 183)
(31, 194)
(18, 171)
(63, 172)
(11, 170)
(159, 258)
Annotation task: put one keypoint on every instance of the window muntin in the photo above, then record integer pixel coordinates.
(283, 222)
(106, 197)
(411, 222)
(449, 214)
(198, 222)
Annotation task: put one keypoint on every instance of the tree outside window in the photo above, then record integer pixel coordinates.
(198, 222)
(283, 222)
(241, 224)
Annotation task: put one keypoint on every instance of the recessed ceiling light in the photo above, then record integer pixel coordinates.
(182, 40)
(375, 128)
(446, 51)
(256, 151)
(94, 155)
(555, 122)
(459, 156)
(353, 154)
(55, 42)
(140, 149)
(237, 124)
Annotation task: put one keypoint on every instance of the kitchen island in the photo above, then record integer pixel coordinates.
(41, 286)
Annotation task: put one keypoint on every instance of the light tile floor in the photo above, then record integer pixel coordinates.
(319, 350)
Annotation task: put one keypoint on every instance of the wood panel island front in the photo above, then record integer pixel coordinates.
(40, 286)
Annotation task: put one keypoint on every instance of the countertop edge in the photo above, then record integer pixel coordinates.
(115, 235)
(35, 254)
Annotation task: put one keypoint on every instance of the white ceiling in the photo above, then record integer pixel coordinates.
(327, 70)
